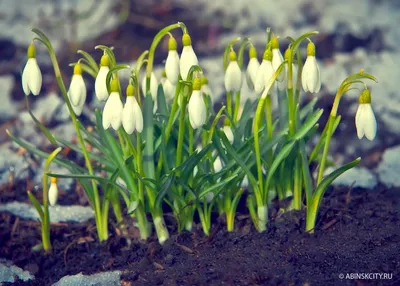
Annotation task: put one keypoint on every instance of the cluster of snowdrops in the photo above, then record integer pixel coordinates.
(167, 148)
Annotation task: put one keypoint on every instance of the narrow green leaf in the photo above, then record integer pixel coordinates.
(162, 107)
(92, 63)
(310, 123)
(36, 204)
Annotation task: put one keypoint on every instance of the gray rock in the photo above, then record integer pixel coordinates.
(361, 177)
(8, 108)
(57, 213)
(10, 272)
(111, 278)
(388, 169)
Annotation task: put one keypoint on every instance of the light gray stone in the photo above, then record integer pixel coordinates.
(9, 272)
(111, 278)
(388, 169)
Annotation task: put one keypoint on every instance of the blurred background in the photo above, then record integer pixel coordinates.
(353, 35)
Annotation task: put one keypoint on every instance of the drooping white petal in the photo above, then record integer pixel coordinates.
(100, 84)
(31, 77)
(229, 134)
(205, 89)
(187, 60)
(277, 60)
(138, 117)
(112, 112)
(233, 77)
(153, 86)
(128, 115)
(53, 194)
(358, 121)
(196, 110)
(169, 90)
(310, 77)
(172, 66)
(251, 72)
(264, 74)
(77, 109)
(77, 89)
(217, 164)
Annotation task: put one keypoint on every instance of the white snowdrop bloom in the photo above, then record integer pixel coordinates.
(311, 77)
(365, 118)
(217, 164)
(112, 111)
(172, 62)
(252, 67)
(169, 90)
(100, 84)
(153, 86)
(53, 192)
(196, 107)
(265, 72)
(229, 134)
(77, 88)
(277, 58)
(132, 117)
(188, 57)
(31, 76)
(233, 74)
(77, 109)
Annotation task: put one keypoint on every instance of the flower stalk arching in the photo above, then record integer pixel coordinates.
(102, 233)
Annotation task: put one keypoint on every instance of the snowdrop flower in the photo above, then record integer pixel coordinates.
(365, 118)
(252, 67)
(169, 90)
(277, 58)
(77, 109)
(188, 57)
(113, 108)
(233, 74)
(197, 107)
(132, 117)
(172, 62)
(153, 86)
(53, 192)
(77, 88)
(31, 76)
(264, 73)
(311, 77)
(100, 84)
(283, 85)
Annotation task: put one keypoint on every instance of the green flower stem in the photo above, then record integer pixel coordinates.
(329, 134)
(143, 224)
(268, 116)
(282, 108)
(204, 219)
(257, 122)
(171, 119)
(229, 103)
(237, 106)
(191, 140)
(104, 217)
(116, 204)
(181, 132)
(298, 184)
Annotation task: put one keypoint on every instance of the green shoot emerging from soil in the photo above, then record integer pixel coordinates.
(168, 148)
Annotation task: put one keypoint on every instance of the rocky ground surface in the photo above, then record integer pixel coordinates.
(353, 35)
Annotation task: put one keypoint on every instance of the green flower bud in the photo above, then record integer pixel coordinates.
(252, 52)
(105, 61)
(31, 51)
(365, 97)
(78, 69)
(232, 56)
(186, 40)
(114, 86)
(275, 43)
(172, 45)
(130, 90)
(311, 49)
(196, 83)
(267, 55)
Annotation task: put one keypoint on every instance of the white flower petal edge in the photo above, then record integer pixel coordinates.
(128, 115)
(366, 122)
(112, 112)
(251, 72)
(197, 110)
(138, 117)
(277, 60)
(172, 66)
(100, 84)
(53, 194)
(169, 90)
(229, 134)
(311, 78)
(31, 77)
(77, 109)
(187, 60)
(153, 86)
(233, 77)
(264, 74)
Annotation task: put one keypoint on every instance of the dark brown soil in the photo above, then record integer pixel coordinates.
(358, 232)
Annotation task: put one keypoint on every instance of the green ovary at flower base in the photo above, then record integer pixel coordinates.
(173, 149)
